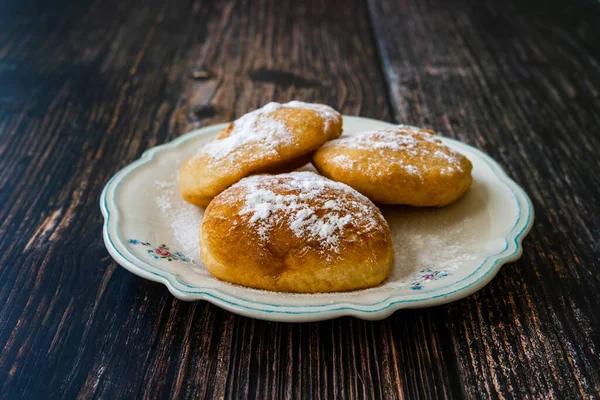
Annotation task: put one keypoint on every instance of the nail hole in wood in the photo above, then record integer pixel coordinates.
(201, 112)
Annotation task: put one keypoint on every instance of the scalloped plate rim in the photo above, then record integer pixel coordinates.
(315, 312)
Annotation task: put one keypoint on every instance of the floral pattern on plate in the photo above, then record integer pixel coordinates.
(427, 275)
(162, 252)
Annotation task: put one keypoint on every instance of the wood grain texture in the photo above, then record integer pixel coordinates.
(521, 81)
(85, 88)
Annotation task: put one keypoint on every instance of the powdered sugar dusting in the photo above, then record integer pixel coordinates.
(257, 127)
(343, 160)
(402, 139)
(411, 169)
(313, 207)
(327, 113)
(385, 139)
(246, 130)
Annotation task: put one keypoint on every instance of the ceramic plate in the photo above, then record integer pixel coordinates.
(441, 255)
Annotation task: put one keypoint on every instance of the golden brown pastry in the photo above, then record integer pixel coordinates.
(296, 232)
(400, 165)
(275, 138)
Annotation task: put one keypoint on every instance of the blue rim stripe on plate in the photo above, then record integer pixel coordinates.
(148, 155)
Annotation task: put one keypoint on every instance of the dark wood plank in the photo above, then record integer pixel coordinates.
(521, 81)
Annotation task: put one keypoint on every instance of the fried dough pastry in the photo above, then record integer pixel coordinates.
(400, 165)
(296, 232)
(275, 138)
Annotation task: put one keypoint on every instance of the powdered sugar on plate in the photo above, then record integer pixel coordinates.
(183, 219)
(257, 127)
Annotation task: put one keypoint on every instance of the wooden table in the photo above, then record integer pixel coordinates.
(86, 87)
